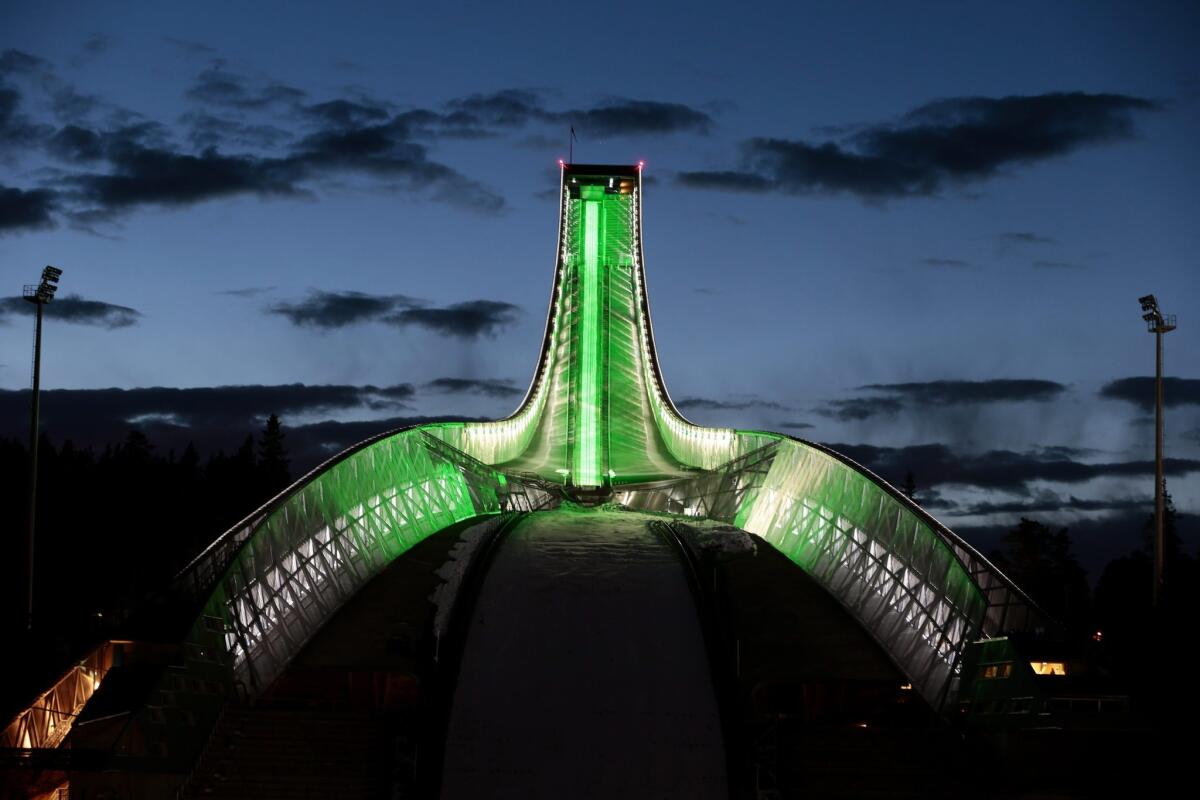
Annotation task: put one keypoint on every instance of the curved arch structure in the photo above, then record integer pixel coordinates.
(596, 423)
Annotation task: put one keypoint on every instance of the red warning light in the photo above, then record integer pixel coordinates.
(562, 163)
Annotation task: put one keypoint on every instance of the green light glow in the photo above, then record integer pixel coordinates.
(598, 415)
(598, 412)
(587, 466)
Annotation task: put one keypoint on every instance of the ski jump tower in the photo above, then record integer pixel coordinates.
(597, 427)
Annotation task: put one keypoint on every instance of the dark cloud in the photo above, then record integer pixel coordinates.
(144, 175)
(727, 180)
(73, 308)
(234, 152)
(1044, 502)
(249, 291)
(1054, 452)
(144, 170)
(310, 444)
(1140, 391)
(18, 62)
(345, 113)
(508, 107)
(488, 387)
(206, 131)
(73, 106)
(793, 426)
(1067, 265)
(189, 47)
(859, 408)
(898, 396)
(468, 320)
(936, 464)
(708, 404)
(425, 124)
(234, 407)
(614, 118)
(943, 143)
(267, 139)
(997, 390)
(1024, 237)
(638, 117)
(385, 152)
(93, 46)
(17, 131)
(75, 143)
(219, 87)
(339, 309)
(214, 418)
(22, 210)
(945, 262)
(66, 102)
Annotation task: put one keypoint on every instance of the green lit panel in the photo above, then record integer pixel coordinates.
(590, 382)
(599, 414)
(900, 578)
(916, 587)
(332, 535)
(636, 450)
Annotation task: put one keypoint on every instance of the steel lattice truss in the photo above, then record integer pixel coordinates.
(46, 722)
(300, 561)
(597, 418)
(920, 591)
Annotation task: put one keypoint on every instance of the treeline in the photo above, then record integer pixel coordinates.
(117, 524)
(1118, 614)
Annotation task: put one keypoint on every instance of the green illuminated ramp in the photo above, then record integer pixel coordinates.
(596, 424)
(597, 413)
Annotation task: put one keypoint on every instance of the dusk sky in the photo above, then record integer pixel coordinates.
(916, 232)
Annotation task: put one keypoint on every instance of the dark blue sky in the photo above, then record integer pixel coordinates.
(894, 227)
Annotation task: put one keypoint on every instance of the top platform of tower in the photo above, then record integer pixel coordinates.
(602, 170)
(616, 178)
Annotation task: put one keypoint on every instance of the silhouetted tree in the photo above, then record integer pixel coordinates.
(910, 486)
(1180, 570)
(1174, 545)
(1041, 562)
(117, 525)
(272, 459)
(1123, 600)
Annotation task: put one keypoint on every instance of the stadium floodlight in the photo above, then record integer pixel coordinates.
(39, 294)
(1158, 324)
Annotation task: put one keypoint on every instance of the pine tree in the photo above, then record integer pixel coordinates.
(272, 459)
(910, 486)
(1041, 561)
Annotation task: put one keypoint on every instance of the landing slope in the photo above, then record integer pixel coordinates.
(585, 672)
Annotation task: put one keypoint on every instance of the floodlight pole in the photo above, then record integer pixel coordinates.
(1159, 535)
(33, 458)
(39, 295)
(1158, 324)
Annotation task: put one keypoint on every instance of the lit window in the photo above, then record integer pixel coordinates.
(993, 671)
(1049, 667)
